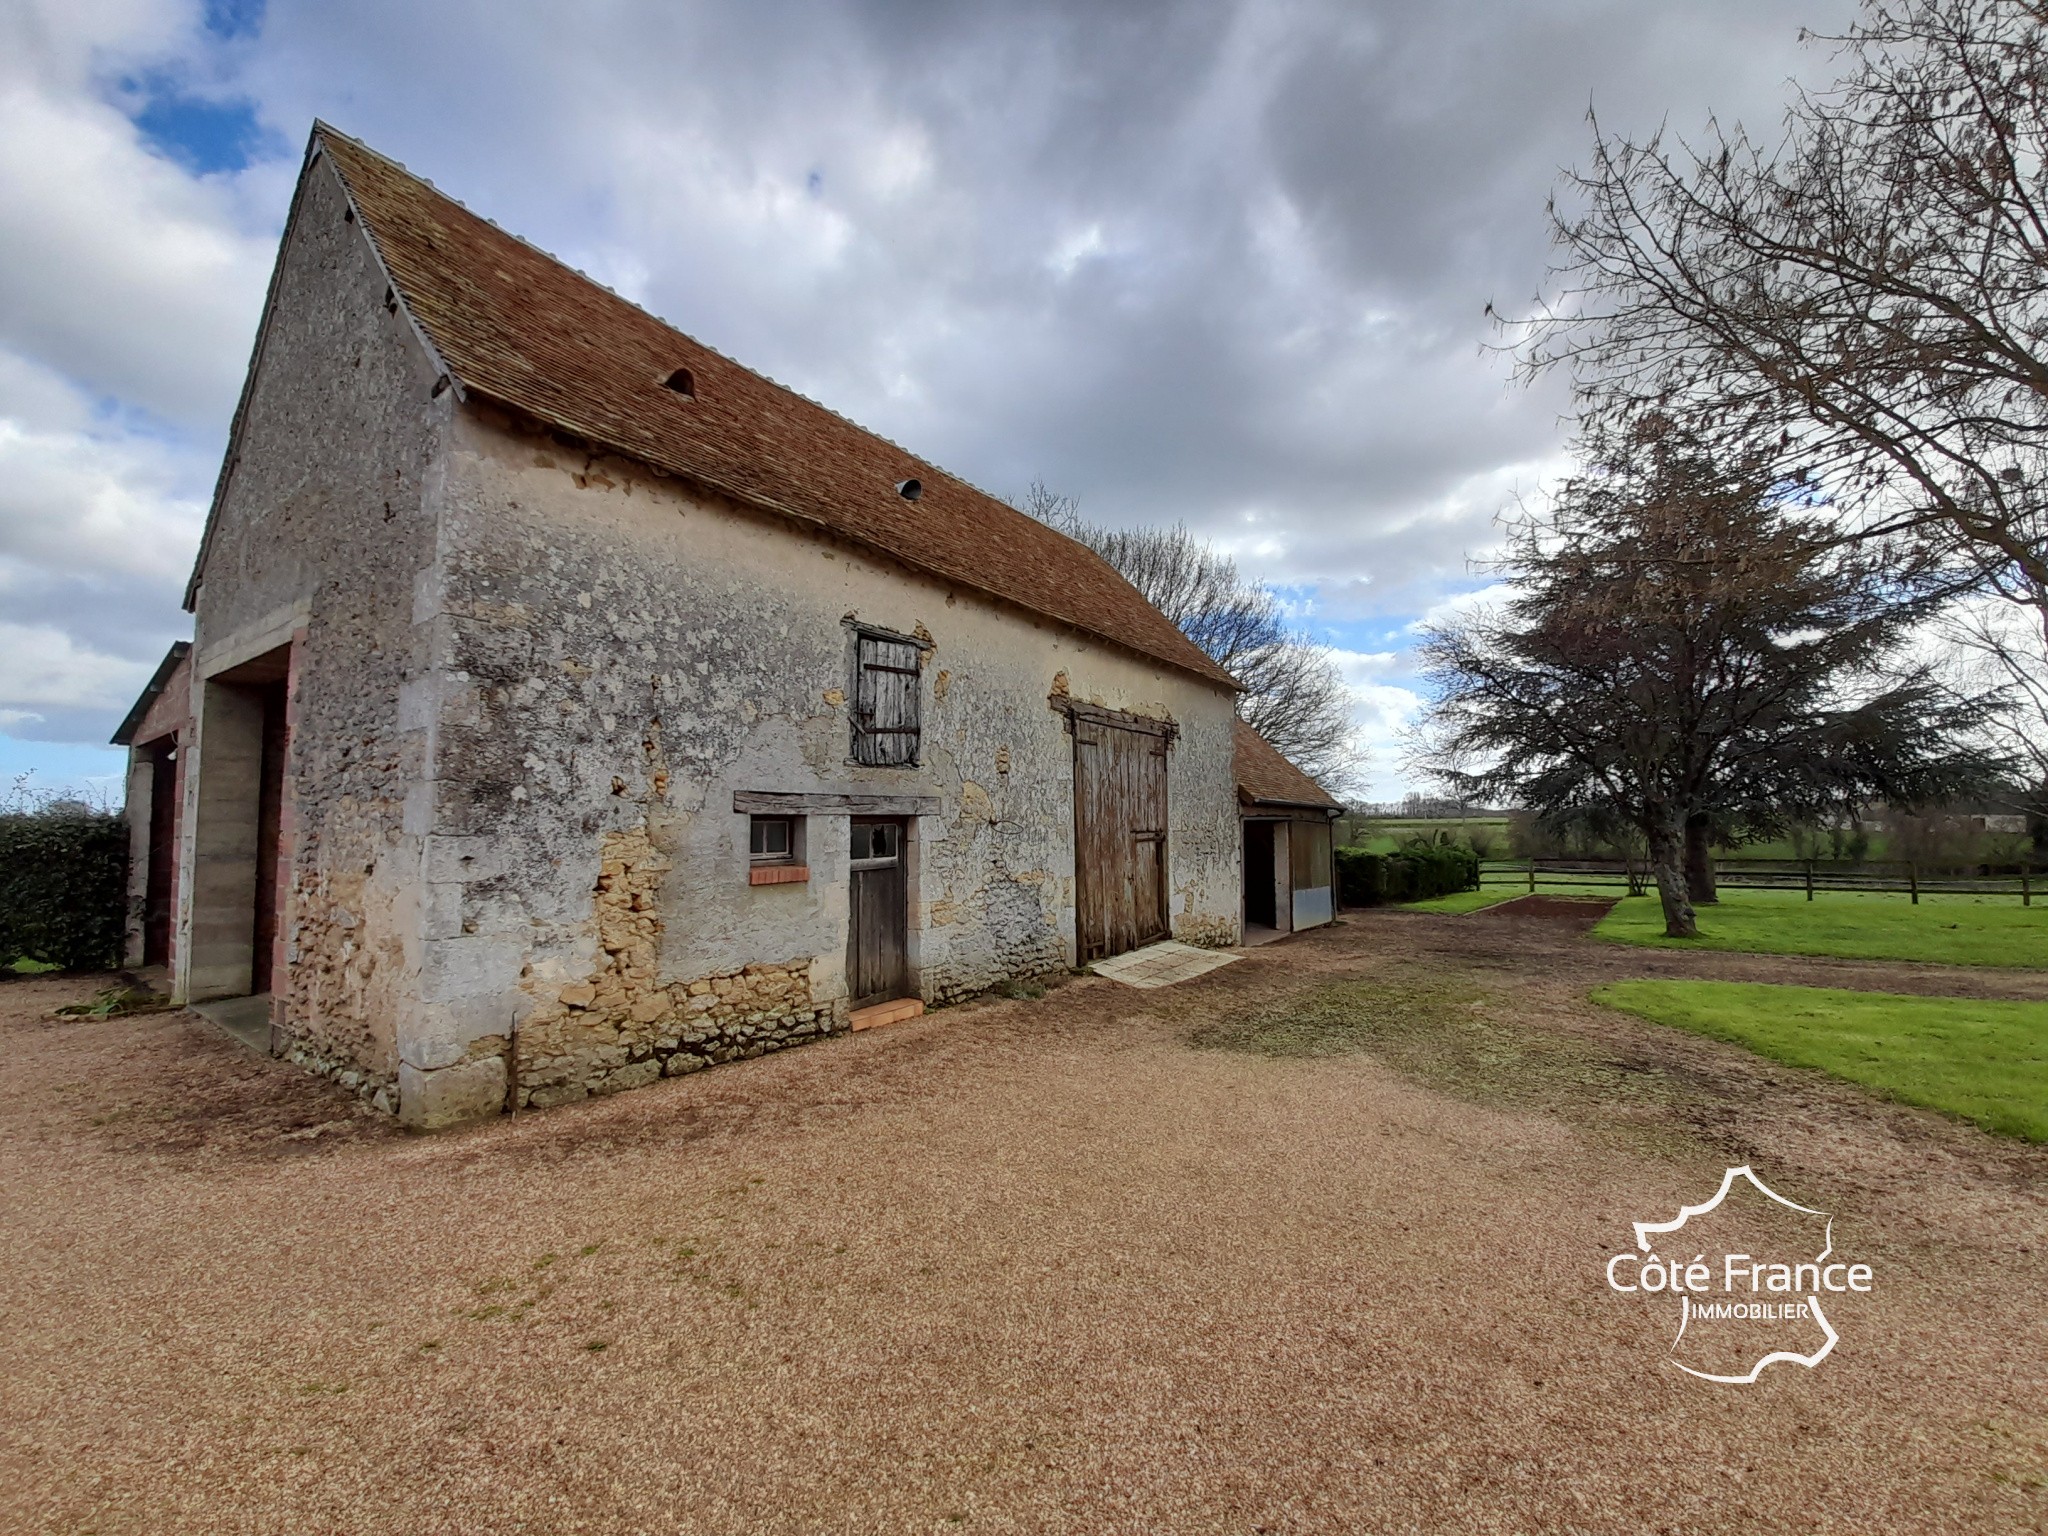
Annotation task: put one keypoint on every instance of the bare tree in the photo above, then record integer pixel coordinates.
(1991, 648)
(1293, 695)
(1869, 291)
(1684, 654)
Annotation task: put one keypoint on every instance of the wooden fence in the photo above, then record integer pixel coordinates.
(1808, 875)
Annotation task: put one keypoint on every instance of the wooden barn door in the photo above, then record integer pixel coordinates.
(1119, 833)
(877, 936)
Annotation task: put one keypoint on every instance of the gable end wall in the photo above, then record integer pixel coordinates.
(324, 532)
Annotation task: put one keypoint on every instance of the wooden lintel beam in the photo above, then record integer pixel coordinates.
(774, 803)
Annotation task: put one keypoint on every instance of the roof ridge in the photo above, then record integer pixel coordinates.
(568, 350)
(325, 128)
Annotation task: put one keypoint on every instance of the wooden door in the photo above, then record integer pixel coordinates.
(877, 933)
(269, 840)
(1119, 835)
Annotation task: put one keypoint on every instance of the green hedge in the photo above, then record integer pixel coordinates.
(1412, 874)
(63, 888)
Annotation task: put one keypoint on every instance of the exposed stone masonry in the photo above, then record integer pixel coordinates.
(624, 1027)
(1025, 940)
(379, 1092)
(1206, 932)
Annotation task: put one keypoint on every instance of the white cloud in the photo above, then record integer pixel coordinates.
(97, 528)
(41, 665)
(1219, 264)
(1383, 709)
(1459, 605)
(82, 503)
(128, 296)
(1363, 667)
(1071, 251)
(115, 265)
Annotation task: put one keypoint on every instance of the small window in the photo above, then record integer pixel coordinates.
(873, 840)
(885, 700)
(682, 382)
(772, 840)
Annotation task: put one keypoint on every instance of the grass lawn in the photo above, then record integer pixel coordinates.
(1857, 925)
(1463, 901)
(1986, 1062)
(1493, 895)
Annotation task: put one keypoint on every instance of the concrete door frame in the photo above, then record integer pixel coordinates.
(224, 772)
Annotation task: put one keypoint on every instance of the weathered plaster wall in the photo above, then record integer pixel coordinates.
(620, 655)
(326, 532)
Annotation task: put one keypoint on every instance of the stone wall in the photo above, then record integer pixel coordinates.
(624, 1027)
(1208, 930)
(377, 1089)
(1009, 909)
(619, 655)
(324, 532)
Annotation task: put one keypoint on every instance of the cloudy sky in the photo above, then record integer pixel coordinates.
(1222, 263)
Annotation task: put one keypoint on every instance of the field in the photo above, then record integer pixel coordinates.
(1941, 930)
(1387, 834)
(1876, 847)
(1982, 1060)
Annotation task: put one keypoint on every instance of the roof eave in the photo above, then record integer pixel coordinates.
(1261, 802)
(124, 734)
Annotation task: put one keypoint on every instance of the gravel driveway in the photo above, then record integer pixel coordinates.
(1099, 1262)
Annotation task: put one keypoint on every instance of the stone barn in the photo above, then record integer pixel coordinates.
(568, 705)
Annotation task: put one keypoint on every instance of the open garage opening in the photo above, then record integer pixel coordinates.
(239, 859)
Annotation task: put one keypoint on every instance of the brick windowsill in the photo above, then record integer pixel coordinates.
(778, 874)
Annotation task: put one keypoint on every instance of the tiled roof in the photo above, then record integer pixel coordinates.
(1264, 777)
(514, 325)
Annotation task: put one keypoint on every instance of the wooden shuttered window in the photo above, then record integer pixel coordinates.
(885, 701)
